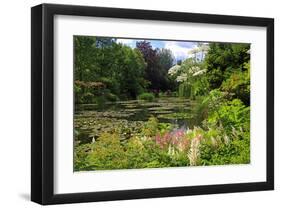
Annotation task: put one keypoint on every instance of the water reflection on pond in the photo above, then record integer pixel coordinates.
(128, 117)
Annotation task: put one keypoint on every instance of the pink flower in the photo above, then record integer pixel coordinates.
(176, 138)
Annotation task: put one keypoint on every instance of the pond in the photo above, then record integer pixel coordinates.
(128, 117)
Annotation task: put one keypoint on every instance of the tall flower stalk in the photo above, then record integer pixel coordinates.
(194, 151)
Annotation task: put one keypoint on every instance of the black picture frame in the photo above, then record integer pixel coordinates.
(42, 103)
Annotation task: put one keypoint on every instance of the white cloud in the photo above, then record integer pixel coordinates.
(128, 42)
(180, 50)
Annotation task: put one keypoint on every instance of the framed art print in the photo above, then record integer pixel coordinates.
(130, 104)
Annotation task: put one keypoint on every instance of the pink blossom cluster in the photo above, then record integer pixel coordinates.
(177, 138)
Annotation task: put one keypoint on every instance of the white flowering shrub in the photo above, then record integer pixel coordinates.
(200, 72)
(181, 78)
(173, 70)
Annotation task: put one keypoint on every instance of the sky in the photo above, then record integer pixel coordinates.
(180, 49)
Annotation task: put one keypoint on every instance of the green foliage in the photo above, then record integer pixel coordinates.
(207, 104)
(85, 91)
(224, 58)
(165, 62)
(158, 146)
(201, 110)
(112, 97)
(199, 87)
(214, 100)
(107, 153)
(151, 127)
(112, 84)
(217, 76)
(238, 84)
(146, 154)
(100, 101)
(164, 127)
(230, 114)
(146, 96)
(184, 90)
(87, 98)
(131, 81)
(80, 156)
(101, 60)
(222, 149)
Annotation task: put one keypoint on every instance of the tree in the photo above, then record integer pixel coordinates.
(166, 60)
(84, 51)
(152, 73)
(132, 72)
(117, 68)
(223, 59)
(92, 55)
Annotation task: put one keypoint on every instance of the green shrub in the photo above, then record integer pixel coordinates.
(238, 85)
(237, 151)
(87, 98)
(100, 101)
(146, 154)
(220, 147)
(150, 127)
(164, 127)
(107, 153)
(77, 91)
(184, 148)
(175, 94)
(179, 159)
(214, 100)
(81, 152)
(112, 84)
(207, 104)
(112, 97)
(230, 114)
(199, 87)
(201, 110)
(146, 96)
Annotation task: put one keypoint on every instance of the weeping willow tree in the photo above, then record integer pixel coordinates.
(185, 90)
(190, 74)
(190, 77)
